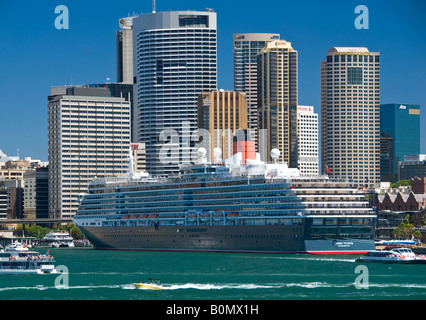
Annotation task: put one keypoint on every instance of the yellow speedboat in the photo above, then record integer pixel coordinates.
(150, 284)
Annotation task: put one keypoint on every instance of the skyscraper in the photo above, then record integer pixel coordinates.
(175, 59)
(124, 45)
(89, 136)
(246, 48)
(399, 136)
(277, 91)
(222, 113)
(350, 114)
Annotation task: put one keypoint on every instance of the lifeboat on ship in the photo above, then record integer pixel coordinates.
(218, 216)
(233, 215)
(204, 216)
(192, 217)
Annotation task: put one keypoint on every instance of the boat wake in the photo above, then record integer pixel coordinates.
(252, 286)
(211, 286)
(246, 286)
(312, 258)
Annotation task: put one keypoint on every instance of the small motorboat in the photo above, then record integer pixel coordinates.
(150, 284)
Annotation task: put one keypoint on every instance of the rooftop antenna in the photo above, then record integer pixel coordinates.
(153, 6)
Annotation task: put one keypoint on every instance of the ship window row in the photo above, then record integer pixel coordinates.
(333, 204)
(156, 208)
(181, 197)
(232, 185)
(240, 236)
(339, 233)
(206, 205)
(341, 221)
(338, 211)
(226, 198)
(243, 213)
(165, 222)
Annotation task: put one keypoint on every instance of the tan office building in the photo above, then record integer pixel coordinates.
(350, 114)
(277, 72)
(222, 113)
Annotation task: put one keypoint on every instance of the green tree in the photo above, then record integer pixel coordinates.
(76, 233)
(400, 183)
(37, 231)
(405, 229)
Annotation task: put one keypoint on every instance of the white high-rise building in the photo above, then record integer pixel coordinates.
(350, 114)
(306, 122)
(89, 137)
(174, 61)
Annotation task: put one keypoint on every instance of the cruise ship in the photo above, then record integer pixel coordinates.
(240, 204)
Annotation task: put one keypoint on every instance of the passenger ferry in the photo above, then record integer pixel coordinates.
(399, 255)
(25, 262)
(238, 205)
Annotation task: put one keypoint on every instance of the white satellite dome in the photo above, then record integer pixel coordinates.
(202, 152)
(275, 154)
(217, 152)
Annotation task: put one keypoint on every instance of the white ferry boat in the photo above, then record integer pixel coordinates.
(398, 255)
(25, 262)
(59, 239)
(238, 205)
(16, 247)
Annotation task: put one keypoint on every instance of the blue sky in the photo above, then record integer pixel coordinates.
(34, 55)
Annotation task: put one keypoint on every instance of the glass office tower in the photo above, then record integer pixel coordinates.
(399, 136)
(246, 48)
(174, 60)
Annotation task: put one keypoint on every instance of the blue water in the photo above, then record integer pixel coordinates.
(109, 275)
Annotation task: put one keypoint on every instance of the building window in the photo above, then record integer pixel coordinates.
(193, 21)
(354, 76)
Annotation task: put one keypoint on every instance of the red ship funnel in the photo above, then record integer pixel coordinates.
(247, 149)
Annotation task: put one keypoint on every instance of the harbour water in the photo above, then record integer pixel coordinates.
(109, 275)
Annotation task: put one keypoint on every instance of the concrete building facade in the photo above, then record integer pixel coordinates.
(305, 150)
(221, 114)
(89, 136)
(124, 45)
(36, 195)
(350, 114)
